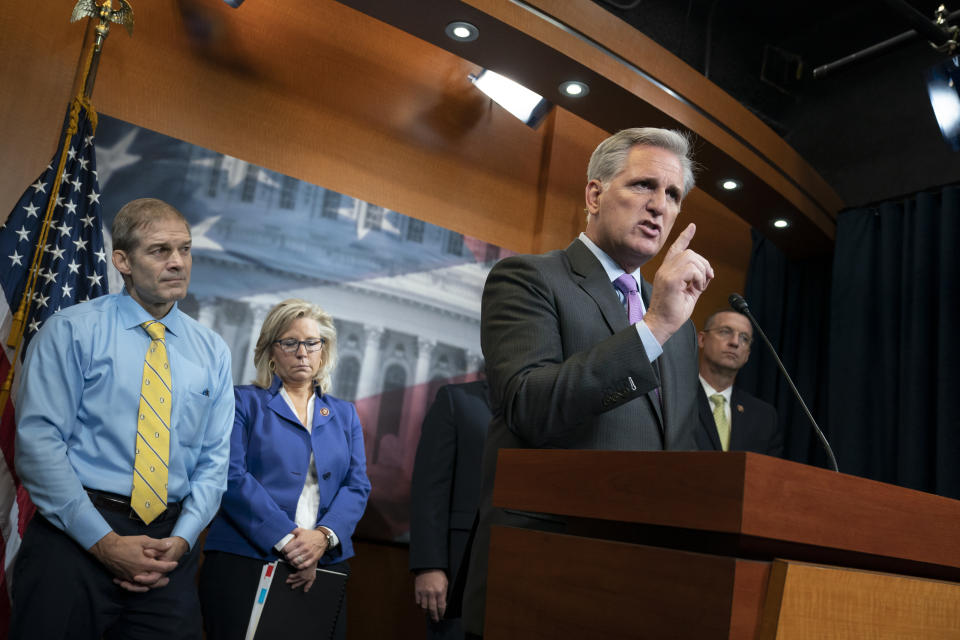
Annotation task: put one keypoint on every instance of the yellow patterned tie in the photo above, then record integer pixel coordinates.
(149, 496)
(720, 417)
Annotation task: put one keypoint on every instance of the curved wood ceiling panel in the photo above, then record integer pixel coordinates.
(633, 81)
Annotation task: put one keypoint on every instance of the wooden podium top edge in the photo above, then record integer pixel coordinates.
(739, 493)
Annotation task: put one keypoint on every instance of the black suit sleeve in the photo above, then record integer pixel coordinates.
(431, 486)
(755, 426)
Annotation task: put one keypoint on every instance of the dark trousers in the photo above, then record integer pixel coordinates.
(228, 584)
(446, 629)
(61, 591)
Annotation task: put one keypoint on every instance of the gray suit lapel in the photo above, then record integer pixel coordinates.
(592, 278)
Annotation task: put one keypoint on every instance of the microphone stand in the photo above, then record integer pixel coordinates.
(739, 304)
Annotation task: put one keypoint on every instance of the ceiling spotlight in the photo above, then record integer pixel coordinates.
(574, 89)
(781, 223)
(512, 96)
(730, 184)
(462, 31)
(943, 86)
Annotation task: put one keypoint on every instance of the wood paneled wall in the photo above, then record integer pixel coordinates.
(321, 92)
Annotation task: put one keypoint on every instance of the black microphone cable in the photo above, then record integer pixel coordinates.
(739, 304)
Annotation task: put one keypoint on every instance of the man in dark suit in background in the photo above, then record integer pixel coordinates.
(576, 356)
(444, 496)
(732, 419)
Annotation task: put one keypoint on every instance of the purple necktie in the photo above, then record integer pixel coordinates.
(627, 285)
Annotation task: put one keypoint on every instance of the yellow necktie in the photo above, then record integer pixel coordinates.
(149, 496)
(720, 417)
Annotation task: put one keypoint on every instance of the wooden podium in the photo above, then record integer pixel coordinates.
(717, 545)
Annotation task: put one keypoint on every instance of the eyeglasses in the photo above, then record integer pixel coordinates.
(289, 345)
(726, 333)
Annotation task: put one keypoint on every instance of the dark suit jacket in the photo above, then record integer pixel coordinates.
(567, 370)
(753, 425)
(445, 491)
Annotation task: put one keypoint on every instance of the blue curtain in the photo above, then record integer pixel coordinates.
(895, 347)
(789, 299)
(871, 340)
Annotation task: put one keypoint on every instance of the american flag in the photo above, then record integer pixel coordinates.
(65, 258)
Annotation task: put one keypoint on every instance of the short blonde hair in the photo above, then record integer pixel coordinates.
(277, 321)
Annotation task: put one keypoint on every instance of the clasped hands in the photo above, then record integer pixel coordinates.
(303, 553)
(677, 285)
(139, 563)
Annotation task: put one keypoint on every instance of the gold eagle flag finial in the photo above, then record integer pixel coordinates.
(123, 14)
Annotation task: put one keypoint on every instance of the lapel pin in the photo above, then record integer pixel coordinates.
(739, 408)
(325, 412)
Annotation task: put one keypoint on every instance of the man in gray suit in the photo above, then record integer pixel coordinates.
(577, 357)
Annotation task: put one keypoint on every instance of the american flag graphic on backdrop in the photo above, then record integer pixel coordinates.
(404, 293)
(70, 269)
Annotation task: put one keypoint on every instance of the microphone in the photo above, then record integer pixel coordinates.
(739, 304)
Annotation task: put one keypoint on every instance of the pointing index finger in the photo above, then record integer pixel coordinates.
(682, 242)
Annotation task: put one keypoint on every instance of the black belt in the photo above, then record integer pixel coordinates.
(117, 502)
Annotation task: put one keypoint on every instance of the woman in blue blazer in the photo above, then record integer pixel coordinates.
(297, 482)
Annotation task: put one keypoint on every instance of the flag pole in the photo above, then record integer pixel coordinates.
(86, 72)
(123, 14)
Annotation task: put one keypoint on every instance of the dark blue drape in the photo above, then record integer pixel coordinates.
(789, 299)
(872, 343)
(895, 346)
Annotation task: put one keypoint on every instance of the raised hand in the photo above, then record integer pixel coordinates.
(677, 286)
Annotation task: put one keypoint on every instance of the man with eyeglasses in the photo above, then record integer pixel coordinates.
(731, 419)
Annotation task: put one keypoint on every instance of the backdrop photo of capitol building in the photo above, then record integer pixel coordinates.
(405, 294)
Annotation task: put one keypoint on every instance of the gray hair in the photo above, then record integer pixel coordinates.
(135, 216)
(610, 156)
(277, 321)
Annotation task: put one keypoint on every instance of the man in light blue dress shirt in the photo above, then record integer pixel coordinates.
(89, 567)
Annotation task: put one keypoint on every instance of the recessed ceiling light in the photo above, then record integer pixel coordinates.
(730, 184)
(574, 89)
(780, 223)
(462, 31)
